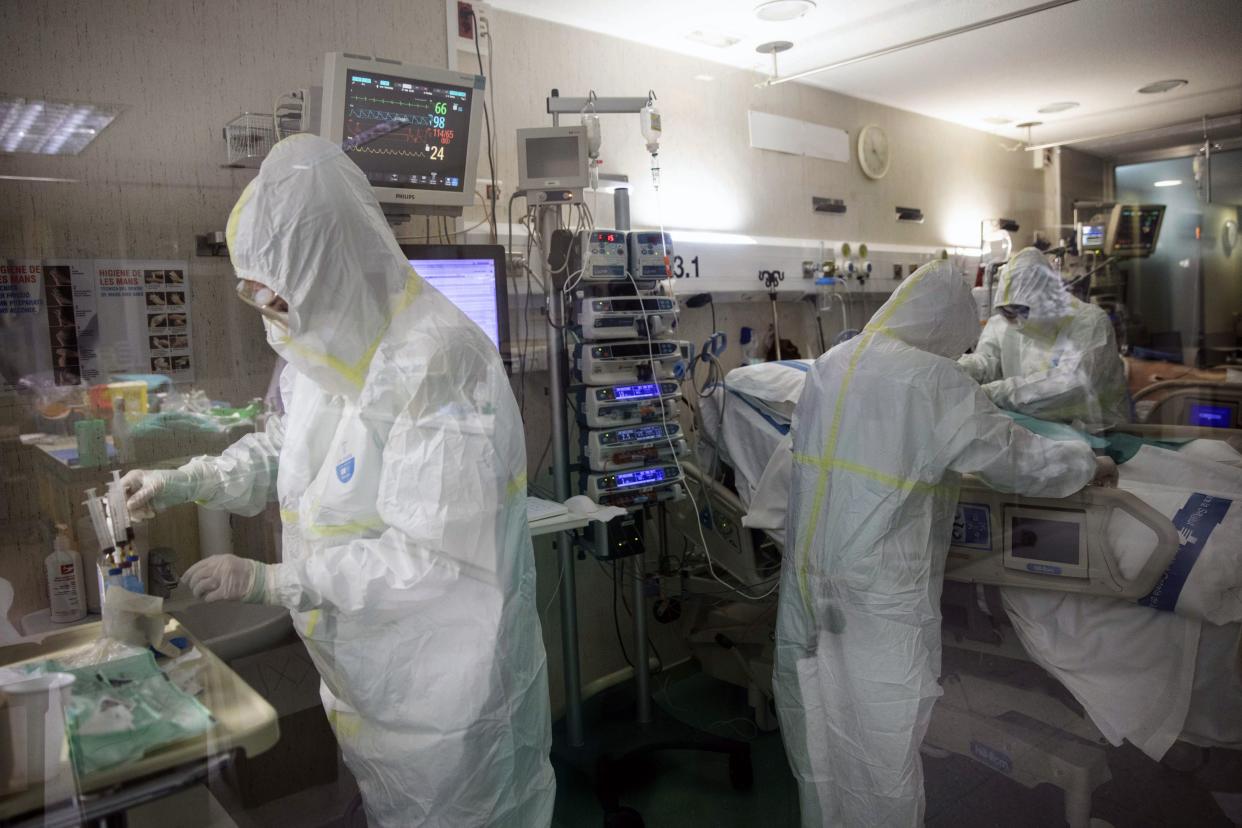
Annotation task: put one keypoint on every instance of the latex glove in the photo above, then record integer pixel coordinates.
(227, 578)
(154, 490)
(1105, 473)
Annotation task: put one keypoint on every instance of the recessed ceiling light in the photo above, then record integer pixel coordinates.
(1059, 106)
(780, 10)
(704, 78)
(1162, 86)
(50, 127)
(998, 120)
(716, 39)
(1168, 182)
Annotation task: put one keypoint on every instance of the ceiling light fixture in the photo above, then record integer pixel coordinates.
(922, 41)
(705, 78)
(1168, 182)
(774, 48)
(50, 127)
(1160, 87)
(776, 11)
(713, 39)
(1059, 106)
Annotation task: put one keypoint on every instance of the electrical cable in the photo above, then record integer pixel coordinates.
(487, 120)
(668, 438)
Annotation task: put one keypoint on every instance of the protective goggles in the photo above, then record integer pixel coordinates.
(1014, 312)
(264, 300)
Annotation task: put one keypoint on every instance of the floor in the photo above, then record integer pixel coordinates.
(690, 789)
(680, 789)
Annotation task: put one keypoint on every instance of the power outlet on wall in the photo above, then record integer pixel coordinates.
(468, 20)
(465, 20)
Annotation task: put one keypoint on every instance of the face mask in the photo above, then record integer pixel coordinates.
(277, 332)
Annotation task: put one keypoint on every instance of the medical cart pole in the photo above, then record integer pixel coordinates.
(560, 480)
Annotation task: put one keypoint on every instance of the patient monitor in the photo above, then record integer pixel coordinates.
(1048, 543)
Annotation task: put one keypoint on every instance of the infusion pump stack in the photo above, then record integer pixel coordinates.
(626, 364)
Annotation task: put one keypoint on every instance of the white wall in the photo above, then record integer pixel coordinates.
(712, 180)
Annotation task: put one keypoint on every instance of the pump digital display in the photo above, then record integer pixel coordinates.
(608, 236)
(634, 435)
(636, 392)
(1211, 416)
(638, 478)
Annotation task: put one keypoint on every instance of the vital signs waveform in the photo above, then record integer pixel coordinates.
(413, 119)
(405, 135)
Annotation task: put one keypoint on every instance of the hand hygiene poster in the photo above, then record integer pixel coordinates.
(79, 321)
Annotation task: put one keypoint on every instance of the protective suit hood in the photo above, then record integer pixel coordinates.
(309, 227)
(932, 311)
(1028, 279)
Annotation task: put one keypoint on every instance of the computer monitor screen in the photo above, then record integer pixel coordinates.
(1091, 237)
(413, 130)
(427, 147)
(1133, 230)
(472, 277)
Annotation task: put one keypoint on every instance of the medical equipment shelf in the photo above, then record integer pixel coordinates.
(249, 138)
(244, 722)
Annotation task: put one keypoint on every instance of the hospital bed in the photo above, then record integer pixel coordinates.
(1020, 716)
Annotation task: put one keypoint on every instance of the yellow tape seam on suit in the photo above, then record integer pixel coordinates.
(828, 461)
(356, 373)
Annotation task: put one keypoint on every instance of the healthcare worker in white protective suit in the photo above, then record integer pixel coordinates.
(883, 430)
(400, 469)
(1047, 354)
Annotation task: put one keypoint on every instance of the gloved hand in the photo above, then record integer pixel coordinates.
(227, 578)
(154, 490)
(1105, 473)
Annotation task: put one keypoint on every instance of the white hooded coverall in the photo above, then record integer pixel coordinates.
(883, 430)
(400, 469)
(1062, 363)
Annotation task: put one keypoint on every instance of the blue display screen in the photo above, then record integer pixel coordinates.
(637, 478)
(636, 392)
(632, 434)
(1212, 416)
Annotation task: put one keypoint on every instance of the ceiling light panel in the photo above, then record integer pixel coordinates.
(1160, 87)
(50, 127)
(777, 11)
(1059, 106)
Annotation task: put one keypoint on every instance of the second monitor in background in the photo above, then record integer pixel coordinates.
(472, 276)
